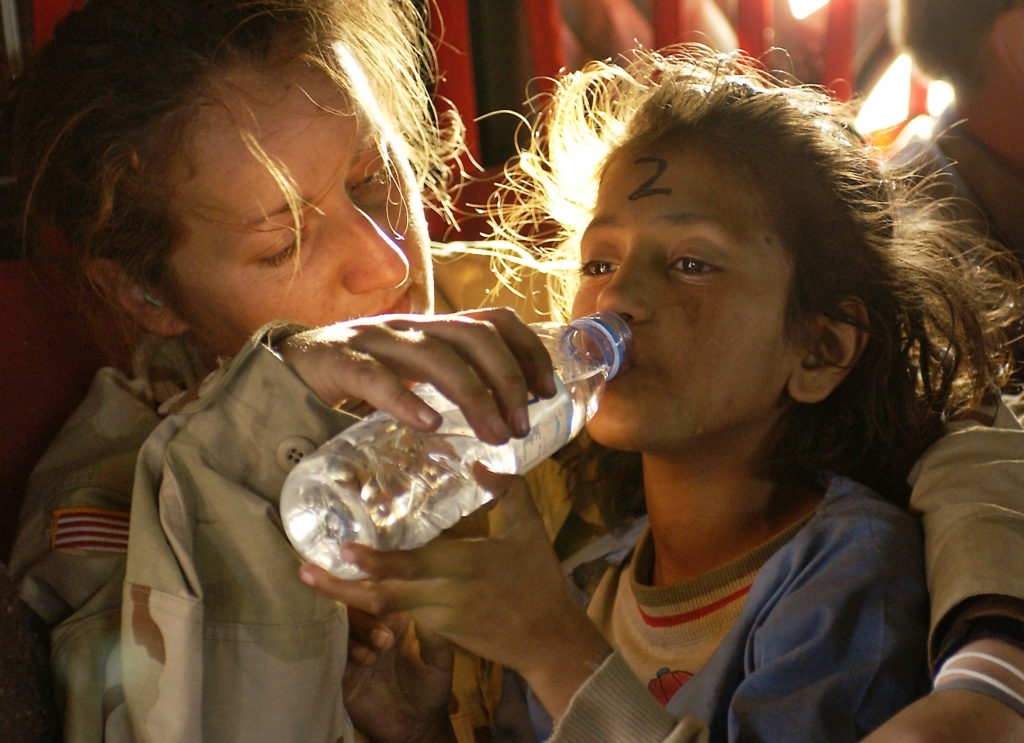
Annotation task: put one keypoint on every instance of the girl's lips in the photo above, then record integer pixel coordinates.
(631, 358)
(623, 371)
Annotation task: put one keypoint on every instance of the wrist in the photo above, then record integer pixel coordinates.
(990, 666)
(556, 677)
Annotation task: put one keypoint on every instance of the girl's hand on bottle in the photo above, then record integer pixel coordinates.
(488, 362)
(504, 597)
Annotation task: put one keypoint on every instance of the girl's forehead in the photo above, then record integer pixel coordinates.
(688, 178)
(660, 168)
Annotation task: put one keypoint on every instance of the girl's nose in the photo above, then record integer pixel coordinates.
(376, 260)
(628, 295)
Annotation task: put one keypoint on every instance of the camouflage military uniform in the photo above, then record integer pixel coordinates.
(194, 626)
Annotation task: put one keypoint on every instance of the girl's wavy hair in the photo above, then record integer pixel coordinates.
(103, 111)
(937, 296)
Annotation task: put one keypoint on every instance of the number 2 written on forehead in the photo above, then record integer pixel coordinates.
(647, 187)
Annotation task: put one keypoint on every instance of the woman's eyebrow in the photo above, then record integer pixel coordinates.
(366, 144)
(305, 201)
(285, 208)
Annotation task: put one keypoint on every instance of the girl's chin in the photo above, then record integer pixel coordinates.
(613, 437)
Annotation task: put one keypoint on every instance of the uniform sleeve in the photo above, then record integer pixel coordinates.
(88, 469)
(69, 554)
(220, 640)
(969, 489)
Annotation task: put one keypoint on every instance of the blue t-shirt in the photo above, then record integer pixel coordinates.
(832, 638)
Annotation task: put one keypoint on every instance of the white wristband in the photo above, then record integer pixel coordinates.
(952, 675)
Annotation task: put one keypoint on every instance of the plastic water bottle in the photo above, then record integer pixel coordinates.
(384, 484)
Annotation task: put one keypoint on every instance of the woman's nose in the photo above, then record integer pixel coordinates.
(376, 261)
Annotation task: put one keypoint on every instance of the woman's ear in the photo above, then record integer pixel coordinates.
(149, 312)
(833, 350)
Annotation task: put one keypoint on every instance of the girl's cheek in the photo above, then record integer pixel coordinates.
(585, 301)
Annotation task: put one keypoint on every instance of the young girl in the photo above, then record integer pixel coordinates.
(803, 326)
(228, 173)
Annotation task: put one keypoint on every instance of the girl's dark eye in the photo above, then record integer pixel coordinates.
(596, 268)
(286, 253)
(692, 265)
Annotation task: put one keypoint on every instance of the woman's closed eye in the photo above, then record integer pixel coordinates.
(377, 179)
(373, 185)
(286, 253)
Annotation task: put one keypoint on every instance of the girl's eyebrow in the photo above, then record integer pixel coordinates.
(721, 234)
(680, 219)
(685, 219)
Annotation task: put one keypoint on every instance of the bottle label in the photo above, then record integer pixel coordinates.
(550, 428)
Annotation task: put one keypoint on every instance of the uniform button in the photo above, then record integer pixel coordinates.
(291, 451)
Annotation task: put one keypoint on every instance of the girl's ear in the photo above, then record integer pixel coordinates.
(833, 350)
(149, 312)
(1007, 39)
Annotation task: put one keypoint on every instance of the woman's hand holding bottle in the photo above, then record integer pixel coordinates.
(488, 362)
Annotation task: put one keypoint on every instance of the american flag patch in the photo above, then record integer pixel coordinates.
(92, 529)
